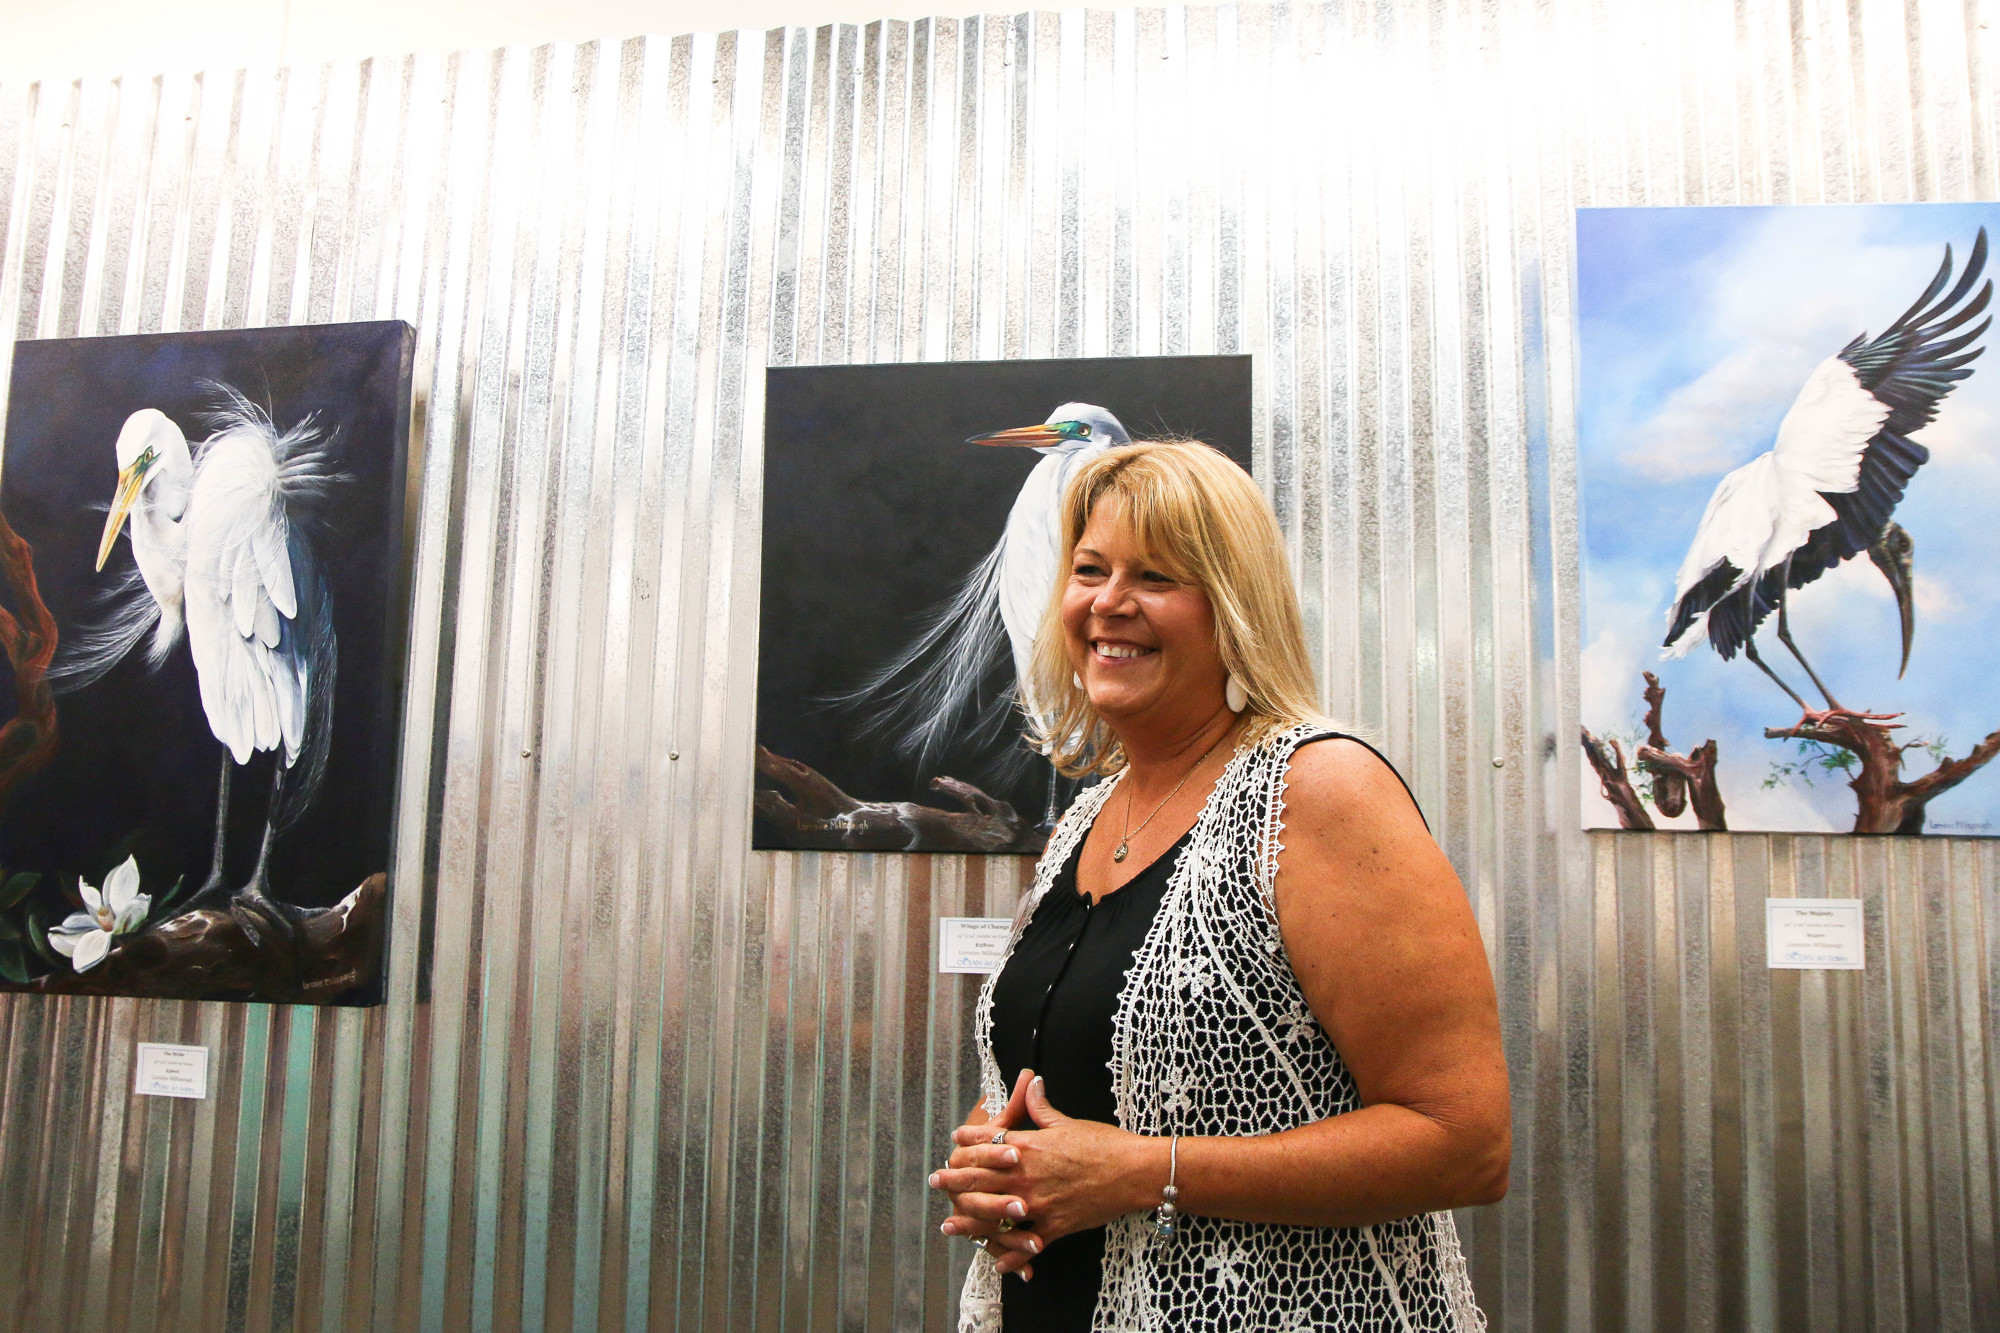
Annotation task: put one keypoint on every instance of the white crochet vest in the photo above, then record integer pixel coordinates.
(1213, 1036)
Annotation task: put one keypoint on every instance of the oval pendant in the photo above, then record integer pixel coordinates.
(1119, 855)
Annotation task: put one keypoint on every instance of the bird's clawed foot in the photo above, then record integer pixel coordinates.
(262, 918)
(1819, 718)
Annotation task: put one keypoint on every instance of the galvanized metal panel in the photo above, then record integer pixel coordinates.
(631, 1075)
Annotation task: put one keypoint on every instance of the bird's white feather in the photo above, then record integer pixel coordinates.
(1029, 547)
(274, 564)
(159, 540)
(1765, 510)
(1827, 429)
(1028, 554)
(254, 684)
(147, 600)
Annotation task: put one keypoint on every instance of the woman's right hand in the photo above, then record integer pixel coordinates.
(979, 1215)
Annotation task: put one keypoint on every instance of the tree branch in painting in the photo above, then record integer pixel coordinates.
(1679, 778)
(1608, 758)
(28, 635)
(1669, 787)
(1885, 803)
(815, 813)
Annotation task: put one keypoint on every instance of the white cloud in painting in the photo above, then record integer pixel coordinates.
(1774, 317)
(1701, 428)
(1611, 670)
(1936, 600)
(1751, 805)
(1963, 439)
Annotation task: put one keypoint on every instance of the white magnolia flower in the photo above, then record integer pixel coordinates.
(85, 937)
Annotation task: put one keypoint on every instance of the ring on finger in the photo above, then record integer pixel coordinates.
(1000, 1137)
(1005, 1224)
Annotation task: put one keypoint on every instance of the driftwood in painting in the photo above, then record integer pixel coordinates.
(1884, 802)
(1607, 757)
(1679, 779)
(206, 954)
(815, 813)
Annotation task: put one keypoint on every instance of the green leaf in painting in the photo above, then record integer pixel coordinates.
(38, 935)
(161, 902)
(18, 887)
(8, 930)
(13, 967)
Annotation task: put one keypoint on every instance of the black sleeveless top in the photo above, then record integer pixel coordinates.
(1054, 1006)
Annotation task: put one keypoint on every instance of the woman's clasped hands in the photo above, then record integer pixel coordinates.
(1032, 1175)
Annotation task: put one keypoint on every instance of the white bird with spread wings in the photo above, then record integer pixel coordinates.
(1825, 490)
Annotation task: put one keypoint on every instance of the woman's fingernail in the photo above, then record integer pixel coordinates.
(1017, 1209)
(946, 1228)
(1010, 1157)
(934, 1176)
(1034, 1245)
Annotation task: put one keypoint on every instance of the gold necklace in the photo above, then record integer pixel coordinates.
(1125, 838)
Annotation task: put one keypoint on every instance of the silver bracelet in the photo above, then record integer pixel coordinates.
(1164, 1216)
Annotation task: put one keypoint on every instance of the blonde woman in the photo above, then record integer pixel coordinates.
(1243, 1053)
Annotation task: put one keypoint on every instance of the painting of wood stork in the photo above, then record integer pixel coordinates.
(1788, 439)
(909, 549)
(201, 593)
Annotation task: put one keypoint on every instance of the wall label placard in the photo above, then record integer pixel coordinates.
(1814, 933)
(972, 943)
(165, 1070)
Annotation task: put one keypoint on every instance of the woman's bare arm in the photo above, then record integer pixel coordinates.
(1384, 944)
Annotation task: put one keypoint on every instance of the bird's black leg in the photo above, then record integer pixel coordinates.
(252, 907)
(1785, 637)
(211, 890)
(1750, 651)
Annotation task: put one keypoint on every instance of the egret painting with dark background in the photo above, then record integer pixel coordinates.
(1698, 330)
(883, 495)
(135, 769)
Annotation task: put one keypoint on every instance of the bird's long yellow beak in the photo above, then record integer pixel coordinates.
(1030, 437)
(129, 482)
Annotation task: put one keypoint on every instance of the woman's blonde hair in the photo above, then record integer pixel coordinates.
(1199, 515)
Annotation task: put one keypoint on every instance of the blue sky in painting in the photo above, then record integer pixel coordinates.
(1697, 327)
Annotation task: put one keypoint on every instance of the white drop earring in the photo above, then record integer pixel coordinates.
(1235, 695)
(1076, 680)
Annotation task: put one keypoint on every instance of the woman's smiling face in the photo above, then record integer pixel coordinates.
(1142, 641)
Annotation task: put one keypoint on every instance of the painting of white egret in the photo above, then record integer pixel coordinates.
(909, 549)
(201, 598)
(1789, 478)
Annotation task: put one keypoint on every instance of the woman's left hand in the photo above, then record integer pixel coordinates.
(1072, 1175)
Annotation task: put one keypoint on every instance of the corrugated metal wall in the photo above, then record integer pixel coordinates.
(648, 1080)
